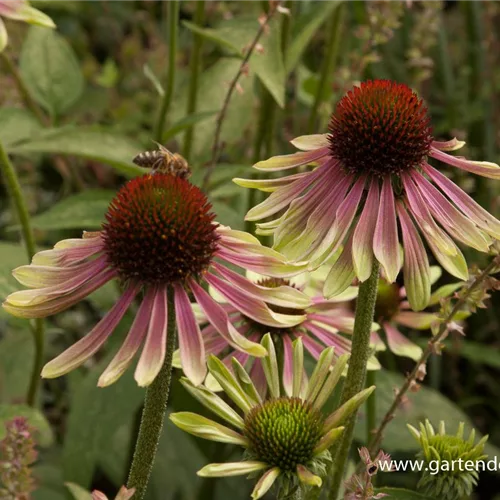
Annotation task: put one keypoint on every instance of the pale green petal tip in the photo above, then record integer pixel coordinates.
(34, 16)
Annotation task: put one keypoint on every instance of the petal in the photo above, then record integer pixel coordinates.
(134, 339)
(298, 368)
(268, 185)
(221, 322)
(416, 320)
(415, 265)
(385, 241)
(270, 366)
(31, 15)
(320, 372)
(4, 37)
(362, 243)
(445, 291)
(483, 168)
(331, 381)
(288, 371)
(265, 482)
(451, 145)
(86, 347)
(232, 469)
(284, 162)
(245, 381)
(153, 353)
(399, 344)
(341, 274)
(310, 142)
(307, 477)
(469, 207)
(251, 307)
(259, 378)
(328, 439)
(206, 429)
(191, 348)
(459, 226)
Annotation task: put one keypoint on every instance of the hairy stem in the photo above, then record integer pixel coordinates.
(194, 73)
(173, 20)
(371, 407)
(356, 373)
(332, 49)
(377, 438)
(14, 189)
(153, 414)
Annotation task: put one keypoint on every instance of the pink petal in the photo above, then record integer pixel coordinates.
(399, 344)
(450, 145)
(469, 207)
(153, 353)
(68, 252)
(191, 347)
(285, 162)
(287, 365)
(341, 274)
(416, 320)
(330, 339)
(415, 265)
(313, 347)
(259, 377)
(362, 243)
(385, 241)
(133, 341)
(483, 168)
(86, 347)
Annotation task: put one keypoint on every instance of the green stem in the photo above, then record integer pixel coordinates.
(356, 373)
(371, 407)
(23, 90)
(14, 189)
(173, 20)
(332, 49)
(153, 414)
(194, 72)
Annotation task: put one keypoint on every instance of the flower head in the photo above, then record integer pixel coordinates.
(20, 10)
(320, 323)
(160, 240)
(285, 437)
(447, 477)
(371, 174)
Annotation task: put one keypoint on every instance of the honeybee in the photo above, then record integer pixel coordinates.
(163, 160)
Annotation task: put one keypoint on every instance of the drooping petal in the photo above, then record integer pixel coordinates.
(416, 264)
(298, 367)
(329, 338)
(86, 347)
(362, 242)
(220, 320)
(192, 350)
(415, 320)
(4, 37)
(251, 307)
(483, 168)
(214, 403)
(451, 145)
(399, 344)
(328, 439)
(455, 223)
(270, 365)
(310, 142)
(320, 373)
(481, 217)
(30, 15)
(268, 185)
(287, 365)
(265, 482)
(68, 252)
(285, 162)
(232, 469)
(284, 296)
(331, 381)
(341, 274)
(385, 241)
(205, 428)
(259, 377)
(153, 353)
(245, 381)
(307, 477)
(134, 339)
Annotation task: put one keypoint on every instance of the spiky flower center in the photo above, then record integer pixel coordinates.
(262, 329)
(450, 447)
(380, 128)
(283, 432)
(388, 301)
(160, 230)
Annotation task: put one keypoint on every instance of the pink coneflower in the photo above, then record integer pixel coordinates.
(159, 238)
(373, 171)
(320, 323)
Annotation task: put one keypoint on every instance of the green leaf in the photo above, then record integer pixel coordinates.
(83, 210)
(77, 492)
(186, 122)
(305, 28)
(91, 143)
(49, 482)
(50, 70)
(402, 494)
(476, 352)
(222, 37)
(43, 437)
(17, 125)
(95, 415)
(426, 403)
